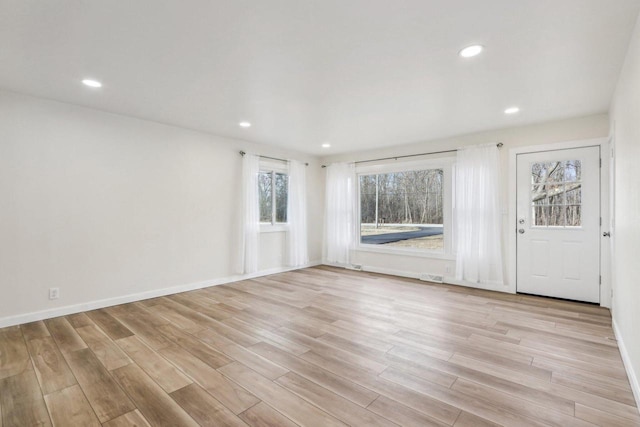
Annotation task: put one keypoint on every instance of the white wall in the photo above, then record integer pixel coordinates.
(595, 126)
(625, 124)
(104, 206)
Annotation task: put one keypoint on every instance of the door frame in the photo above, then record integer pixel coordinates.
(605, 253)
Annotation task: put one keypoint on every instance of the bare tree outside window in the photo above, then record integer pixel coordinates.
(556, 194)
(402, 209)
(273, 188)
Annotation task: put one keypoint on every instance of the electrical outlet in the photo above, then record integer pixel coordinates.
(54, 293)
(447, 269)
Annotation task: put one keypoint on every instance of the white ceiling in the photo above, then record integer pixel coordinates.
(359, 74)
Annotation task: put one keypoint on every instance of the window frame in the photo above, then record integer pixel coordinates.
(447, 166)
(274, 167)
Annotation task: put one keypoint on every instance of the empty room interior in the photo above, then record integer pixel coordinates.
(320, 213)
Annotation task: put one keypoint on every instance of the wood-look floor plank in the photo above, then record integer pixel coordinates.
(432, 407)
(334, 353)
(130, 419)
(228, 328)
(143, 323)
(34, 330)
(108, 353)
(236, 352)
(422, 366)
(14, 357)
(50, 367)
(358, 337)
(164, 373)
(604, 369)
(401, 414)
(469, 420)
(113, 328)
(202, 351)
(22, 402)
(66, 337)
(263, 415)
(459, 400)
(69, 407)
(341, 408)
(203, 305)
(288, 403)
(339, 385)
(562, 392)
(165, 310)
(603, 419)
(105, 396)
(514, 404)
(156, 406)
(185, 310)
(581, 374)
(599, 389)
(204, 408)
(230, 394)
(79, 320)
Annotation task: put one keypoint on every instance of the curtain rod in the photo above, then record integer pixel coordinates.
(242, 153)
(499, 145)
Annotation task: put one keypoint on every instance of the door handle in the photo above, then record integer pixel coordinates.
(606, 234)
(521, 231)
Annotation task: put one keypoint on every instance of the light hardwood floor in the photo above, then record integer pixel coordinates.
(319, 347)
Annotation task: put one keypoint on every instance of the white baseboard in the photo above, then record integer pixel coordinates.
(626, 359)
(93, 305)
(334, 264)
(447, 280)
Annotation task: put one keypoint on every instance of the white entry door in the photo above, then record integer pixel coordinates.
(558, 223)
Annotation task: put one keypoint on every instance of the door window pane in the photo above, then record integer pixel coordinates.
(573, 194)
(574, 217)
(556, 194)
(573, 170)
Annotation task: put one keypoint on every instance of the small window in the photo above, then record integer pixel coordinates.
(273, 189)
(403, 209)
(556, 194)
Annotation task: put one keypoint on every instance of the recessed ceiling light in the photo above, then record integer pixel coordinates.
(511, 110)
(326, 145)
(470, 51)
(244, 124)
(91, 83)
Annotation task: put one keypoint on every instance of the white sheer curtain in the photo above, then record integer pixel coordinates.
(478, 215)
(250, 227)
(340, 211)
(297, 215)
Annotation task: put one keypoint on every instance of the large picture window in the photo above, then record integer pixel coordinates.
(273, 187)
(403, 209)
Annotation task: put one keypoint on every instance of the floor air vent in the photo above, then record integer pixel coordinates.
(428, 277)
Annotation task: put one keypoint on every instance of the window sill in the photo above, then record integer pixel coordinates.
(406, 252)
(274, 228)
